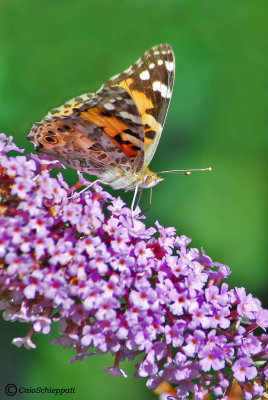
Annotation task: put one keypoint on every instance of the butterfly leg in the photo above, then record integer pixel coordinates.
(150, 200)
(139, 198)
(86, 188)
(133, 203)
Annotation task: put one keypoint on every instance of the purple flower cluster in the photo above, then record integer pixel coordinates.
(116, 286)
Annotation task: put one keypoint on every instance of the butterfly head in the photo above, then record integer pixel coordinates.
(150, 179)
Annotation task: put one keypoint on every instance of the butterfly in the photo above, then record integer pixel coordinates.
(113, 133)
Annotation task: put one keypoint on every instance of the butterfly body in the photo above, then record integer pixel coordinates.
(113, 134)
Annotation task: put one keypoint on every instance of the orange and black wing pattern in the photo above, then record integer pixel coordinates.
(149, 82)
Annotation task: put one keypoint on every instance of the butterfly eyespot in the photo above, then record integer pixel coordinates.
(50, 139)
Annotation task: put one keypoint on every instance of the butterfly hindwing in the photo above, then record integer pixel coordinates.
(109, 122)
(149, 81)
(81, 145)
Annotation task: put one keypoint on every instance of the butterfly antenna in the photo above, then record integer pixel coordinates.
(185, 171)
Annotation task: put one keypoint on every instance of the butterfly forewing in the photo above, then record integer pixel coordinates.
(149, 81)
(67, 108)
(114, 110)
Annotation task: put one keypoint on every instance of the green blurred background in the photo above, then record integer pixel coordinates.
(52, 50)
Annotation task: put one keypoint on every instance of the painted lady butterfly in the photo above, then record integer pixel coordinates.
(114, 133)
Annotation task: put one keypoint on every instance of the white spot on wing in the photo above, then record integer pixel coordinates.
(109, 107)
(144, 75)
(162, 88)
(157, 86)
(127, 115)
(169, 65)
(152, 65)
(160, 62)
(169, 93)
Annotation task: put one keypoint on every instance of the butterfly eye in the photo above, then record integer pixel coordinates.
(50, 139)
